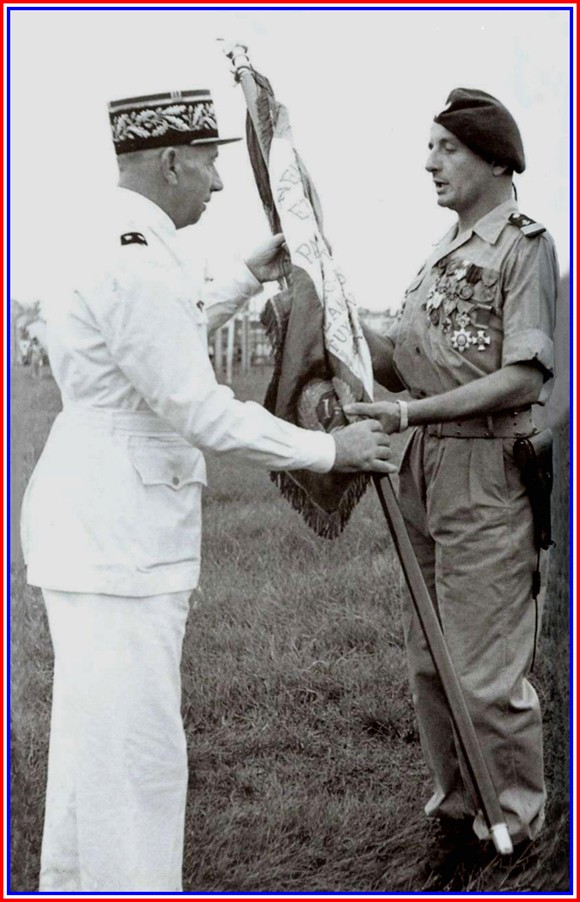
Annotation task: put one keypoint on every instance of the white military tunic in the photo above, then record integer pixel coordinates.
(111, 531)
(114, 505)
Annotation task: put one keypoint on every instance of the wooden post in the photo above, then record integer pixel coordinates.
(245, 342)
(218, 357)
(230, 350)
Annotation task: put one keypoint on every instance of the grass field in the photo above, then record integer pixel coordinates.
(306, 773)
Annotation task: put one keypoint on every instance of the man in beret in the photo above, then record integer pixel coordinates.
(111, 522)
(473, 348)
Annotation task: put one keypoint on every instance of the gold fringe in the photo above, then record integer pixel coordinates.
(324, 524)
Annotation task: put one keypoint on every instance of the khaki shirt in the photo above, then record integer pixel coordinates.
(484, 299)
(114, 504)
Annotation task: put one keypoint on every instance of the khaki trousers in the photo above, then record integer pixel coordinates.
(117, 772)
(471, 526)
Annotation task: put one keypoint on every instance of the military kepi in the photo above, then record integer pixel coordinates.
(484, 125)
(164, 120)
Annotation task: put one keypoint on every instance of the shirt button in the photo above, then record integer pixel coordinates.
(175, 480)
(417, 350)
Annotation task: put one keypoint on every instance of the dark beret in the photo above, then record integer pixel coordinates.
(484, 125)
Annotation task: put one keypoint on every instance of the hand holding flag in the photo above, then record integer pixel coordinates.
(269, 261)
(363, 446)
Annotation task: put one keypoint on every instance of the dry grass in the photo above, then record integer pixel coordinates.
(306, 771)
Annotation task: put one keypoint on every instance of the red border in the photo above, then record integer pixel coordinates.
(576, 410)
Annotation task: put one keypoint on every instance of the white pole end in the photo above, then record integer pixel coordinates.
(501, 839)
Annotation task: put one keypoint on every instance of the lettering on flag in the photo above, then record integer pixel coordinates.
(322, 360)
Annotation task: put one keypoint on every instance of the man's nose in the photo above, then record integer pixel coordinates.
(216, 182)
(432, 162)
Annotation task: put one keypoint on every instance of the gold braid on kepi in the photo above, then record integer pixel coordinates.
(164, 120)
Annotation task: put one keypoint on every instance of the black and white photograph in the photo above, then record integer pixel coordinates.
(289, 356)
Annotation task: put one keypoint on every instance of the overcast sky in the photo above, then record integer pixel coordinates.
(361, 87)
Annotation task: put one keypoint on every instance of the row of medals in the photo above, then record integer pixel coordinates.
(449, 302)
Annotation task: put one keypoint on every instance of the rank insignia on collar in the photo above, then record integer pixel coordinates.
(133, 238)
(527, 226)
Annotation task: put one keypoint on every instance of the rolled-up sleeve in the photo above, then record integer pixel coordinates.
(158, 341)
(530, 288)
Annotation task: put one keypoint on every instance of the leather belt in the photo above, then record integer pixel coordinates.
(512, 424)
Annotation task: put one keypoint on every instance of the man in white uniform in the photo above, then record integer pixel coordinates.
(112, 515)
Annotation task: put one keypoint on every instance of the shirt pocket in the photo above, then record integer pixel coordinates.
(408, 308)
(169, 480)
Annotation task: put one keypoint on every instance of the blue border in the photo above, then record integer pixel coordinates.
(377, 8)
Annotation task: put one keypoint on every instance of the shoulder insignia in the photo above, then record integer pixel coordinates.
(133, 238)
(527, 226)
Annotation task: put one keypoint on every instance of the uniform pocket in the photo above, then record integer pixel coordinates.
(165, 463)
(170, 476)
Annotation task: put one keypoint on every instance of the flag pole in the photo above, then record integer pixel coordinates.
(242, 69)
(421, 599)
(458, 710)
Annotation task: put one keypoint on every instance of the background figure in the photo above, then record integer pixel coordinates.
(474, 349)
(111, 521)
(36, 358)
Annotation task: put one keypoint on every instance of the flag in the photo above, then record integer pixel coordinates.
(321, 359)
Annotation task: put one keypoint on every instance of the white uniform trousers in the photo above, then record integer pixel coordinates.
(117, 772)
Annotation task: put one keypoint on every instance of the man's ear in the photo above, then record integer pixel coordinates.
(169, 164)
(499, 169)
